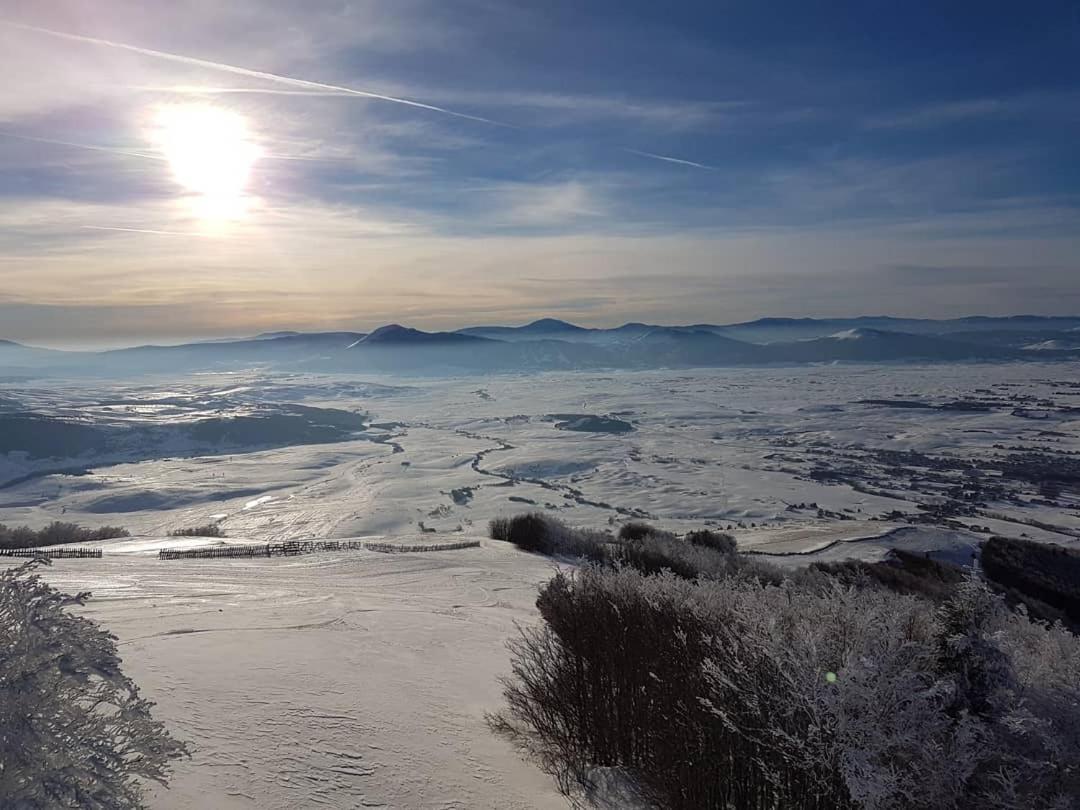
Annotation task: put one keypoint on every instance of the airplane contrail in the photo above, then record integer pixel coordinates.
(146, 155)
(75, 145)
(141, 230)
(668, 159)
(254, 74)
(194, 89)
(311, 87)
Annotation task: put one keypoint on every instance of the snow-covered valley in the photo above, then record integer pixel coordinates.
(757, 450)
(358, 678)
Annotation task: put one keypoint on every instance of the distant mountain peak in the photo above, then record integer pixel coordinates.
(275, 335)
(552, 325)
(395, 333)
(391, 329)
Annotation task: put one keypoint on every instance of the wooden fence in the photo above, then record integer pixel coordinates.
(391, 548)
(294, 547)
(216, 551)
(286, 549)
(52, 554)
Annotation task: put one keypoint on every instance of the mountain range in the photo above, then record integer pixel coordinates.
(551, 344)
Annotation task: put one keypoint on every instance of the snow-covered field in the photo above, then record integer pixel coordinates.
(360, 679)
(337, 680)
(757, 450)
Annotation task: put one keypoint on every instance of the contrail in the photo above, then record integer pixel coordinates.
(194, 89)
(141, 230)
(110, 149)
(254, 74)
(114, 151)
(307, 87)
(667, 159)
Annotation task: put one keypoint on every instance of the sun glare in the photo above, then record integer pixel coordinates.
(211, 153)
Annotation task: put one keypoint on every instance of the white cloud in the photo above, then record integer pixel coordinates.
(544, 204)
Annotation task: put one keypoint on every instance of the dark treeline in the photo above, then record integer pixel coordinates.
(902, 572)
(908, 685)
(55, 533)
(1045, 578)
(650, 550)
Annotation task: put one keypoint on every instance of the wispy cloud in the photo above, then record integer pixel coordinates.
(939, 114)
(1044, 105)
(547, 204)
(549, 108)
(774, 180)
(342, 267)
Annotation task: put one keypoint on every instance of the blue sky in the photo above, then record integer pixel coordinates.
(679, 162)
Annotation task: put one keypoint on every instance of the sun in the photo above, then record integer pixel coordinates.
(211, 153)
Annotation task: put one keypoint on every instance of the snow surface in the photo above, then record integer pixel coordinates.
(336, 680)
(723, 447)
(359, 679)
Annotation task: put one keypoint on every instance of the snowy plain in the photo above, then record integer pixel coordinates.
(352, 679)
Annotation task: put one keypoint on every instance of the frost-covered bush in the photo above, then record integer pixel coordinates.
(74, 732)
(539, 533)
(636, 530)
(499, 529)
(531, 532)
(717, 541)
(901, 571)
(654, 553)
(56, 532)
(638, 545)
(799, 694)
(608, 682)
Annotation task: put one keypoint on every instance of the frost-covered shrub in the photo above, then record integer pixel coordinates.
(902, 572)
(74, 731)
(717, 541)
(799, 694)
(531, 532)
(499, 529)
(638, 545)
(56, 532)
(636, 530)
(545, 535)
(654, 553)
(607, 682)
